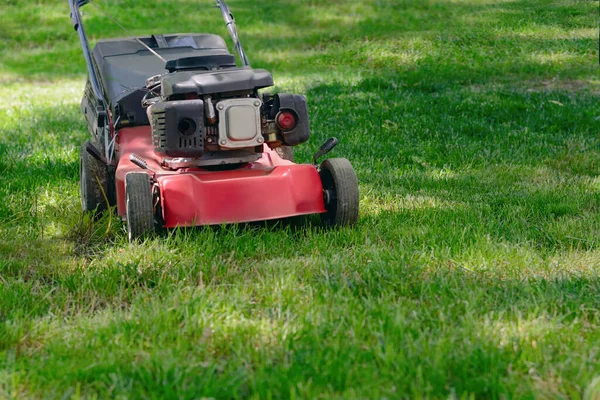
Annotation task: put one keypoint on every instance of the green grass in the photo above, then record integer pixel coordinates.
(473, 270)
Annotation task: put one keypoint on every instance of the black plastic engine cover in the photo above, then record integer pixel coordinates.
(208, 63)
(210, 82)
(297, 104)
(178, 128)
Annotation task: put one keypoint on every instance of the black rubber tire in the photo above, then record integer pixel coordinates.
(340, 189)
(285, 152)
(92, 197)
(138, 205)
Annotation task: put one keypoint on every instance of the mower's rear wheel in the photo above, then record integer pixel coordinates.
(340, 191)
(93, 182)
(285, 152)
(139, 207)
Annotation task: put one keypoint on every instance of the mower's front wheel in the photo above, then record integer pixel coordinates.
(340, 191)
(93, 182)
(138, 204)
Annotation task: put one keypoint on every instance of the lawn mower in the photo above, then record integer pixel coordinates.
(183, 136)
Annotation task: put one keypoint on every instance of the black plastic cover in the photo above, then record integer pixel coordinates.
(178, 128)
(221, 81)
(295, 103)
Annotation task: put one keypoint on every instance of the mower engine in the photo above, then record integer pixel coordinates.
(216, 117)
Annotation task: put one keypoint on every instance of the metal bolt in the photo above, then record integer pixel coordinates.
(223, 142)
(257, 103)
(220, 107)
(260, 140)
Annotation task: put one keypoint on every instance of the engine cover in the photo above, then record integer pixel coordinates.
(239, 123)
(178, 128)
(221, 81)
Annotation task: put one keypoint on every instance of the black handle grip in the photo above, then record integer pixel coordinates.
(325, 148)
(328, 145)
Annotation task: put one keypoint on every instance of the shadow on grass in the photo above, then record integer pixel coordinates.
(419, 41)
(480, 212)
(517, 167)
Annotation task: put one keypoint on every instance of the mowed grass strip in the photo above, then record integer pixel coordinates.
(473, 270)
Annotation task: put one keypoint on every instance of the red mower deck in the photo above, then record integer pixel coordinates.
(269, 188)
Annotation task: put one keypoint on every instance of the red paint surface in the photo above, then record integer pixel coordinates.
(268, 188)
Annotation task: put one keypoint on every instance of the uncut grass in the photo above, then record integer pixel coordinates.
(473, 269)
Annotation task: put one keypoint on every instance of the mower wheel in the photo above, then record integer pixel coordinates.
(139, 207)
(340, 190)
(285, 152)
(93, 182)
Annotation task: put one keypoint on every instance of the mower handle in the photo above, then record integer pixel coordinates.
(230, 22)
(78, 26)
(104, 122)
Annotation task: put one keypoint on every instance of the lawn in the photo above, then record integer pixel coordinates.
(473, 271)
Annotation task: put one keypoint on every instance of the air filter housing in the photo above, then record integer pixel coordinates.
(178, 128)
